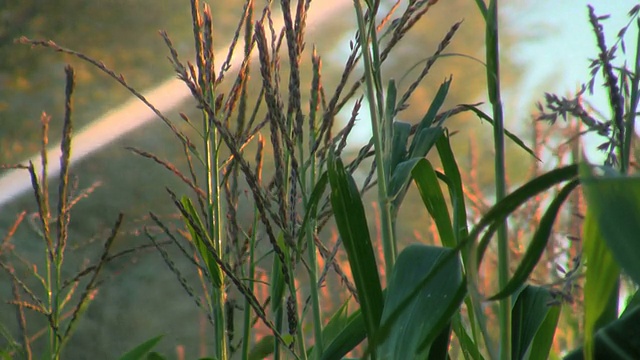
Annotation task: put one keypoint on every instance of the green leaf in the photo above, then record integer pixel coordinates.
(215, 273)
(347, 339)
(614, 200)
(538, 244)
(354, 231)
(601, 276)
(312, 205)
(423, 141)
(429, 188)
(141, 350)
(529, 312)
(510, 135)
(337, 323)
(416, 311)
(618, 340)
(401, 132)
(456, 193)
(263, 348)
(277, 285)
(155, 356)
(500, 211)
(431, 114)
(542, 342)
(469, 348)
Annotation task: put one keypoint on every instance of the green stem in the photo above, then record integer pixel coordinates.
(247, 306)
(631, 113)
(215, 226)
(493, 82)
(375, 103)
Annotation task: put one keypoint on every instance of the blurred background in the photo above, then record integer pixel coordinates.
(546, 47)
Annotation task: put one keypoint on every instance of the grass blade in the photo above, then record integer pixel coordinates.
(352, 226)
(538, 244)
(456, 193)
(215, 273)
(347, 339)
(510, 203)
(530, 311)
(141, 350)
(482, 115)
(429, 188)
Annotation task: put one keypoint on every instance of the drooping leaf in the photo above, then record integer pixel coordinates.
(538, 244)
(354, 231)
(141, 350)
(417, 311)
(500, 211)
(529, 312)
(482, 115)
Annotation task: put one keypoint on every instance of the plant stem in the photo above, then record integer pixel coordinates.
(247, 307)
(631, 113)
(215, 224)
(493, 84)
(374, 98)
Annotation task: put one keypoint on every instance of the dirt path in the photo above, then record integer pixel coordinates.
(133, 114)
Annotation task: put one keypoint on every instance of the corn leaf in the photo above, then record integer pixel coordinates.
(354, 231)
(530, 312)
(538, 244)
(141, 350)
(420, 302)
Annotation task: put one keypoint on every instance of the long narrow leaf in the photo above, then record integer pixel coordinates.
(511, 202)
(530, 311)
(141, 350)
(510, 135)
(352, 226)
(429, 188)
(456, 193)
(215, 273)
(347, 339)
(538, 244)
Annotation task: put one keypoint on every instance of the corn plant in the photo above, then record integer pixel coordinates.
(432, 294)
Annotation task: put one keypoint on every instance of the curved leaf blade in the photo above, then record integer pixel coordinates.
(354, 231)
(419, 310)
(141, 350)
(429, 188)
(529, 313)
(538, 244)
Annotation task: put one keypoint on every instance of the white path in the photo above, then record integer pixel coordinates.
(133, 114)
